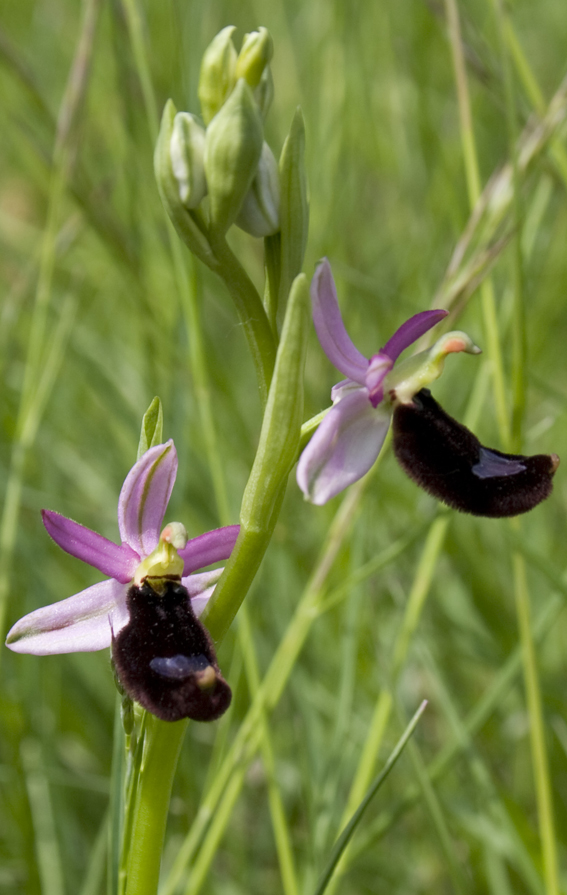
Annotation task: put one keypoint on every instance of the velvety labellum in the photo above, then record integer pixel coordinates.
(450, 463)
(165, 658)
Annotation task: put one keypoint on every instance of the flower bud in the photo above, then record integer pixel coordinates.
(260, 211)
(183, 219)
(257, 50)
(217, 77)
(187, 148)
(232, 152)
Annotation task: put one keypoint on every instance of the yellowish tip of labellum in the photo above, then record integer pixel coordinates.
(206, 679)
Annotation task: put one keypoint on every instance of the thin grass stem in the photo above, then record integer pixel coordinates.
(354, 821)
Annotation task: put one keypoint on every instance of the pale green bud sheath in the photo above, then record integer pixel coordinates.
(264, 92)
(260, 212)
(232, 152)
(408, 377)
(256, 53)
(187, 148)
(186, 221)
(217, 77)
(276, 454)
(164, 564)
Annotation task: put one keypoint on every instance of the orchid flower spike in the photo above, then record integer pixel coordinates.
(147, 609)
(436, 451)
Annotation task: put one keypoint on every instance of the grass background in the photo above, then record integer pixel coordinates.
(93, 327)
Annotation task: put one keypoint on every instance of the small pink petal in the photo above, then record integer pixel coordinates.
(410, 331)
(343, 448)
(330, 328)
(81, 623)
(342, 388)
(214, 546)
(115, 561)
(378, 368)
(144, 498)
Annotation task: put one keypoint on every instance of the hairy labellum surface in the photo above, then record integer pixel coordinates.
(165, 658)
(450, 463)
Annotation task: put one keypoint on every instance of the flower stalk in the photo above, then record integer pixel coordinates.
(276, 454)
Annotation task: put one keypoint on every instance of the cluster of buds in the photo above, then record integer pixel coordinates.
(223, 154)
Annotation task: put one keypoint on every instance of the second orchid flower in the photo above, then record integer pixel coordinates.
(436, 451)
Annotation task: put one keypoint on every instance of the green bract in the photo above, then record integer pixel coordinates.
(294, 208)
(232, 152)
(260, 211)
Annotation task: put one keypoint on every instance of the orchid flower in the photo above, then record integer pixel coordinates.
(437, 452)
(102, 615)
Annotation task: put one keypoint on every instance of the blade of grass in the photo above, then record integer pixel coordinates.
(540, 760)
(488, 302)
(27, 421)
(439, 823)
(354, 821)
(49, 862)
(472, 724)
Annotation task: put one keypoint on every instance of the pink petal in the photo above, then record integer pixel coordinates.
(410, 331)
(144, 498)
(342, 388)
(378, 368)
(214, 546)
(330, 328)
(200, 588)
(82, 623)
(344, 447)
(106, 556)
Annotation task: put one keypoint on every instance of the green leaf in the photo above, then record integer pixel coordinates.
(152, 427)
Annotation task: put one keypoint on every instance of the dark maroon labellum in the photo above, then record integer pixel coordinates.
(450, 463)
(165, 659)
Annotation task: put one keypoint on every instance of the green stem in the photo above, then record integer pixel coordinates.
(537, 730)
(251, 311)
(162, 745)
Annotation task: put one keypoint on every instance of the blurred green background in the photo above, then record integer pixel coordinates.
(90, 269)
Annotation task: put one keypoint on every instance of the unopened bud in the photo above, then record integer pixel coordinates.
(217, 77)
(187, 148)
(168, 185)
(260, 211)
(232, 152)
(256, 53)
